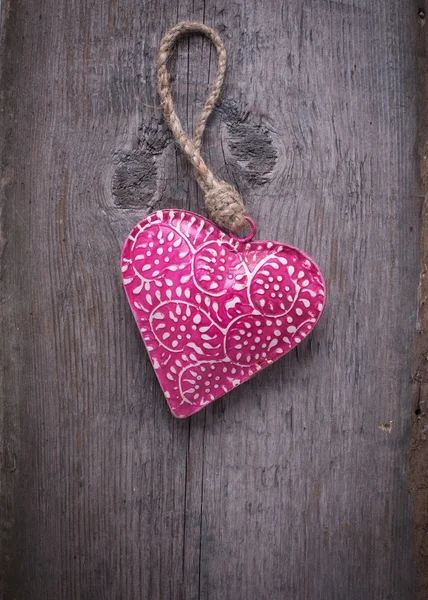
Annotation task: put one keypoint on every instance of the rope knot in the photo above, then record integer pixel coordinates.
(224, 204)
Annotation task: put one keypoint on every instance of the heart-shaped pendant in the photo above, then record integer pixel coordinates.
(214, 310)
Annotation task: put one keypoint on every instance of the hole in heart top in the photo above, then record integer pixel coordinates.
(212, 309)
(251, 234)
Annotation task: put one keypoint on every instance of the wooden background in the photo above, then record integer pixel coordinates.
(291, 487)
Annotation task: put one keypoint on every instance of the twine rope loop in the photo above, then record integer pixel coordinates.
(223, 201)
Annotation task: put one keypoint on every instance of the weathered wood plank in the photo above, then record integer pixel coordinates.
(287, 487)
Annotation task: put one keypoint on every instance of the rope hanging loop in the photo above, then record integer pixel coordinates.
(223, 201)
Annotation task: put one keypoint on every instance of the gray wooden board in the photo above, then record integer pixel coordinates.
(286, 488)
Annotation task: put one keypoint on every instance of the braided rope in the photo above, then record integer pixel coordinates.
(224, 204)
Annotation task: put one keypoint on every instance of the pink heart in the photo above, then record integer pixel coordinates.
(213, 310)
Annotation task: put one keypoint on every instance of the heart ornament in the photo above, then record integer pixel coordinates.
(214, 310)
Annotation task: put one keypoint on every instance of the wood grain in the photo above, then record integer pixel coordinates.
(288, 487)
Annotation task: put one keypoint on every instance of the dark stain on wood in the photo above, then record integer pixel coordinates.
(250, 143)
(135, 181)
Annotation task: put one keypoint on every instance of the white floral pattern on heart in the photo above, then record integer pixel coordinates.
(213, 311)
(218, 269)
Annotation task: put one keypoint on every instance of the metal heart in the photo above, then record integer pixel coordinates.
(214, 310)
